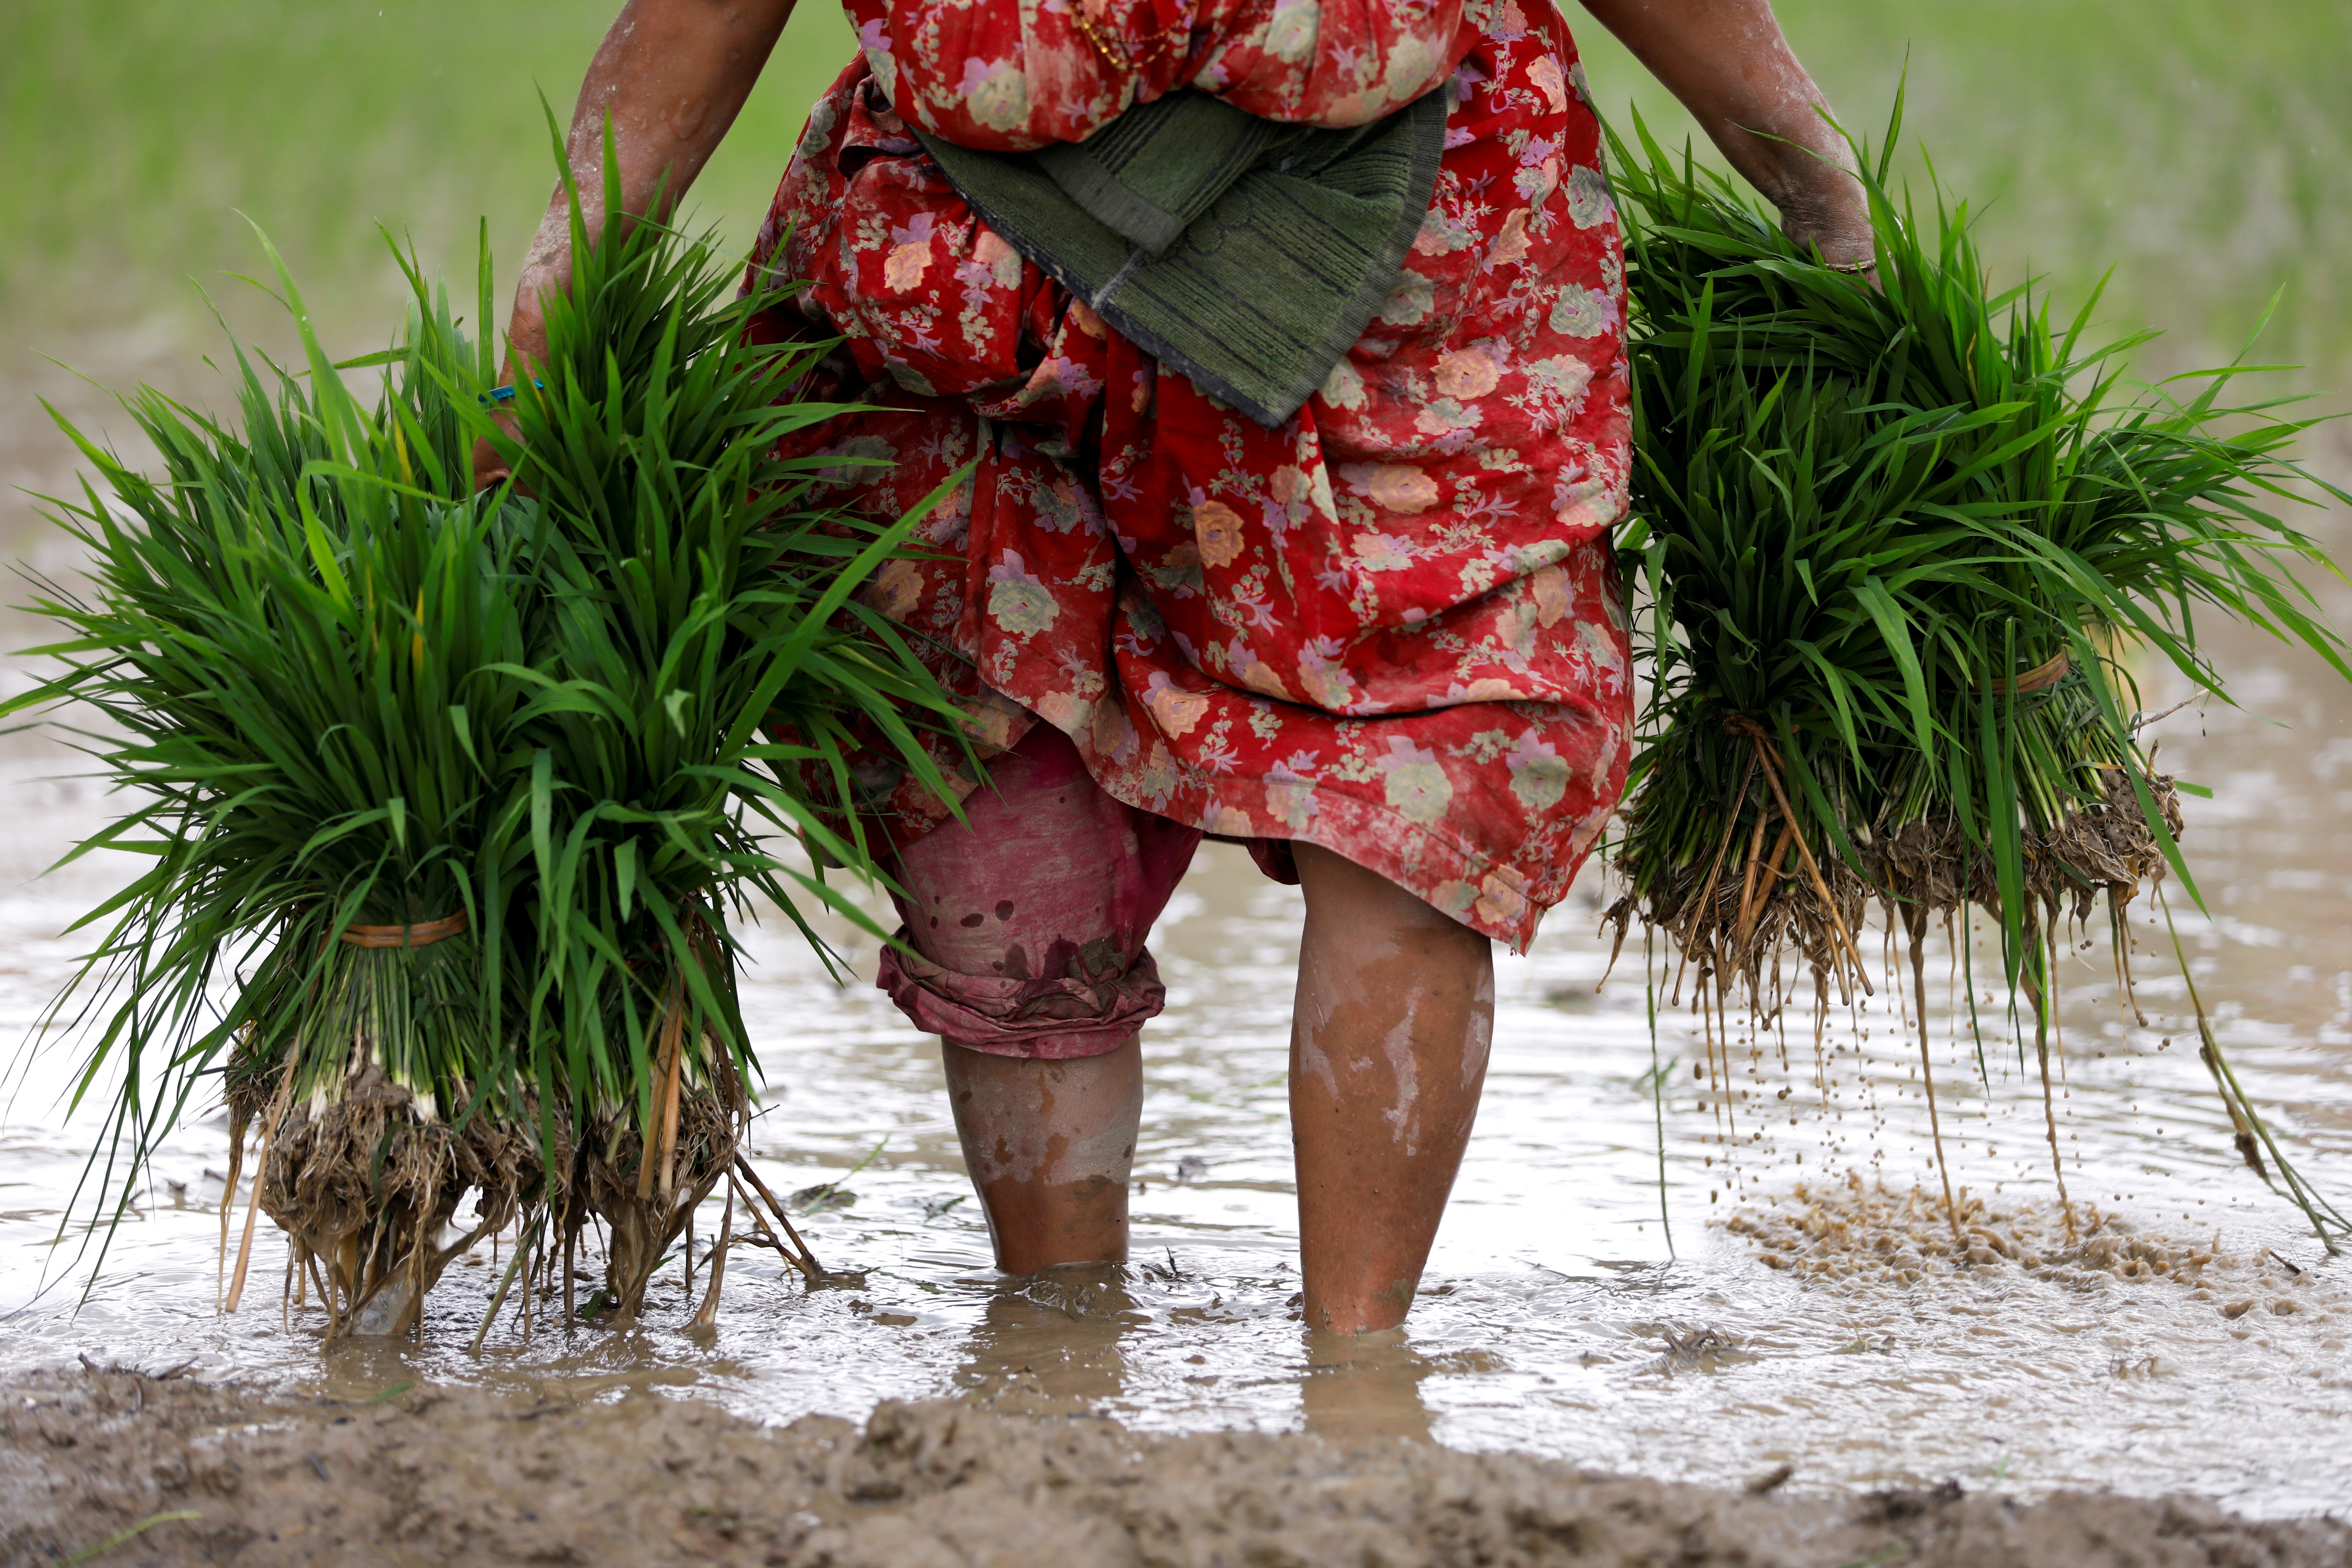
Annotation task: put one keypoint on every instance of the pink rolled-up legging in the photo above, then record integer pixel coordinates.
(1031, 916)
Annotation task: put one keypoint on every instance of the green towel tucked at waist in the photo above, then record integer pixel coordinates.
(1248, 254)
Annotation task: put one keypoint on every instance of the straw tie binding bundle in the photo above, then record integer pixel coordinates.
(424, 934)
(2040, 677)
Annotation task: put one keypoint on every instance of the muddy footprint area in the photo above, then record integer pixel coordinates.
(119, 1467)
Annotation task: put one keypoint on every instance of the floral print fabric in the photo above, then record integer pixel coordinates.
(1388, 627)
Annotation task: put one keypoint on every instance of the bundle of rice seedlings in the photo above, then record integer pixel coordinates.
(706, 668)
(293, 640)
(1890, 550)
(450, 799)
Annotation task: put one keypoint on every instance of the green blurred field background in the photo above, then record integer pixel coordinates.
(2194, 145)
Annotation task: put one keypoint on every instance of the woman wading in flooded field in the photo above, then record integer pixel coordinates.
(1284, 338)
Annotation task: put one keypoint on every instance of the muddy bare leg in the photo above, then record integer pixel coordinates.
(1049, 1145)
(1388, 1053)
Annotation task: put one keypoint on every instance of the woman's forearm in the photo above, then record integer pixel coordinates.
(671, 75)
(1731, 68)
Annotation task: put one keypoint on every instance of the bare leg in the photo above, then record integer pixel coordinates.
(1028, 923)
(1049, 1145)
(1388, 1053)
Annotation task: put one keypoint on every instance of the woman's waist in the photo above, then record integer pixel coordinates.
(856, 126)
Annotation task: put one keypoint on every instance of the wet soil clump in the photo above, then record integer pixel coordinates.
(220, 1474)
(1854, 1232)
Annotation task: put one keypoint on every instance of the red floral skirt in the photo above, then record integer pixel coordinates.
(1388, 626)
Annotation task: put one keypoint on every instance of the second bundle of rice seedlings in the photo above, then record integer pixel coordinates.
(1889, 549)
(706, 663)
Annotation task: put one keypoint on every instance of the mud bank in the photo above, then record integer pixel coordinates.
(428, 1475)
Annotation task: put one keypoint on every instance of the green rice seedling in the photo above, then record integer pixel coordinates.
(1889, 548)
(451, 798)
(294, 640)
(703, 668)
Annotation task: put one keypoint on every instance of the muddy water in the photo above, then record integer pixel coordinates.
(1563, 1313)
